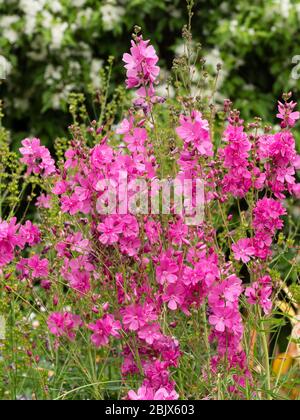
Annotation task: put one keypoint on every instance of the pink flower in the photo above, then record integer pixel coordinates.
(30, 233)
(101, 155)
(34, 266)
(147, 393)
(150, 333)
(126, 126)
(104, 328)
(226, 293)
(136, 140)
(238, 180)
(37, 158)
(195, 130)
(260, 292)
(223, 318)
(174, 295)
(44, 201)
(79, 281)
(296, 190)
(163, 394)
(178, 233)
(137, 316)
(243, 250)
(286, 114)
(64, 324)
(141, 64)
(61, 187)
(110, 230)
(143, 393)
(267, 215)
(153, 231)
(9, 239)
(167, 271)
(77, 273)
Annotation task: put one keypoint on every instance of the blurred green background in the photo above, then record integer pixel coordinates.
(50, 48)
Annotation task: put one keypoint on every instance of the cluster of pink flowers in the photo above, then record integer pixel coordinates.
(194, 131)
(142, 72)
(287, 114)
(228, 328)
(103, 329)
(260, 292)
(157, 352)
(267, 219)
(64, 324)
(242, 175)
(13, 236)
(37, 158)
(78, 272)
(151, 270)
(33, 267)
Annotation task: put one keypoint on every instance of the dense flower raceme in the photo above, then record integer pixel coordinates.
(142, 73)
(147, 267)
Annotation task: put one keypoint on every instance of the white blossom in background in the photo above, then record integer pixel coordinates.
(6, 23)
(96, 67)
(52, 74)
(213, 58)
(84, 16)
(165, 90)
(284, 7)
(74, 68)
(31, 8)
(78, 3)
(47, 19)
(55, 6)
(5, 67)
(233, 26)
(57, 34)
(111, 14)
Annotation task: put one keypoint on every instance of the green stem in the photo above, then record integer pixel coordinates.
(266, 361)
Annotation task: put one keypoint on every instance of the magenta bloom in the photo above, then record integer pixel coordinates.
(174, 295)
(34, 267)
(260, 292)
(141, 64)
(43, 201)
(136, 140)
(39, 267)
(137, 316)
(243, 250)
(104, 328)
(64, 324)
(167, 271)
(37, 158)
(223, 318)
(150, 333)
(9, 239)
(147, 393)
(267, 215)
(77, 273)
(101, 155)
(287, 114)
(195, 130)
(110, 230)
(30, 233)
